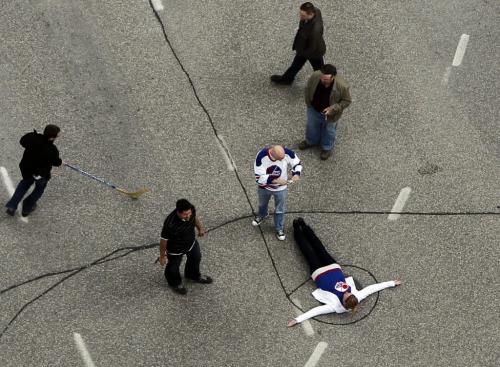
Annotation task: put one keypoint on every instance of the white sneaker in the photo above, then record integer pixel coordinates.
(258, 220)
(280, 235)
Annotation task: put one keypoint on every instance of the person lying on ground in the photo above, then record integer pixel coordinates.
(337, 293)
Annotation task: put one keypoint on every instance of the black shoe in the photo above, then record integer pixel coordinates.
(325, 154)
(305, 145)
(298, 222)
(278, 79)
(179, 289)
(203, 279)
(25, 213)
(10, 212)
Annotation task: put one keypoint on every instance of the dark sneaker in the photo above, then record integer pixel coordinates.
(325, 154)
(280, 235)
(258, 220)
(203, 279)
(179, 289)
(10, 212)
(304, 145)
(297, 222)
(278, 79)
(25, 213)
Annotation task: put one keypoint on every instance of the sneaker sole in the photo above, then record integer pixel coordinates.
(255, 224)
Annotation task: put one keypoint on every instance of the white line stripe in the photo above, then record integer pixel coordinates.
(10, 187)
(157, 5)
(225, 153)
(82, 348)
(400, 203)
(460, 52)
(446, 76)
(7, 181)
(305, 324)
(318, 351)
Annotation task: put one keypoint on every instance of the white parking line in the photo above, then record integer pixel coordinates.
(10, 187)
(306, 325)
(400, 203)
(446, 76)
(316, 355)
(460, 52)
(82, 348)
(231, 166)
(157, 5)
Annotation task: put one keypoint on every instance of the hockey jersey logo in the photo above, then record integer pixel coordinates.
(341, 287)
(274, 171)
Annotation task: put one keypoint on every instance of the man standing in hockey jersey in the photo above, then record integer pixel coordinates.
(271, 174)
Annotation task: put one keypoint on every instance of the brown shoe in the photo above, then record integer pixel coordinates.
(304, 145)
(325, 154)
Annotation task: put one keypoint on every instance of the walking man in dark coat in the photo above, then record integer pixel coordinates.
(308, 44)
(40, 154)
(178, 238)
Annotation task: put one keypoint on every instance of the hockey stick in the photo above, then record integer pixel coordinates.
(133, 195)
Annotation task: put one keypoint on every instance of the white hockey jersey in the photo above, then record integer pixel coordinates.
(267, 170)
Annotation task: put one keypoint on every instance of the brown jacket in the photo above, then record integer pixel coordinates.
(340, 97)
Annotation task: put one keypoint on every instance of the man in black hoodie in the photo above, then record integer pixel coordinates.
(308, 44)
(40, 154)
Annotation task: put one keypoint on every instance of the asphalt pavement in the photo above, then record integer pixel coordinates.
(175, 96)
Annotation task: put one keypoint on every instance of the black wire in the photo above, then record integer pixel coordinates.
(132, 249)
(74, 272)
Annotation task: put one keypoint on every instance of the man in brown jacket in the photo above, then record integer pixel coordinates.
(327, 95)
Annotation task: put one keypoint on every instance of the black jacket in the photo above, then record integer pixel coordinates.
(309, 40)
(180, 235)
(39, 156)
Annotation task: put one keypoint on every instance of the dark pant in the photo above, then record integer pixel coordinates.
(192, 269)
(22, 188)
(297, 64)
(310, 245)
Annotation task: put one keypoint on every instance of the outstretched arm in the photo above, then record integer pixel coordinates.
(374, 288)
(316, 311)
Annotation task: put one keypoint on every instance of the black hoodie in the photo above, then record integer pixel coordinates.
(40, 154)
(309, 42)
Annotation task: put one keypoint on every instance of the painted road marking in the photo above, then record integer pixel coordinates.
(400, 203)
(316, 355)
(306, 325)
(10, 187)
(231, 166)
(446, 76)
(82, 348)
(157, 5)
(460, 52)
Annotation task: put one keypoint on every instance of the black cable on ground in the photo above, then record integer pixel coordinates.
(78, 270)
(205, 110)
(132, 249)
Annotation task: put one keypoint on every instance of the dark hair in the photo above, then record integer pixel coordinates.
(308, 8)
(51, 131)
(329, 69)
(351, 302)
(182, 205)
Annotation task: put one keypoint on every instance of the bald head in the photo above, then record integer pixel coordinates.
(277, 152)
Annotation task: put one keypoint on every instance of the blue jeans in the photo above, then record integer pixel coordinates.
(21, 190)
(320, 131)
(279, 204)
